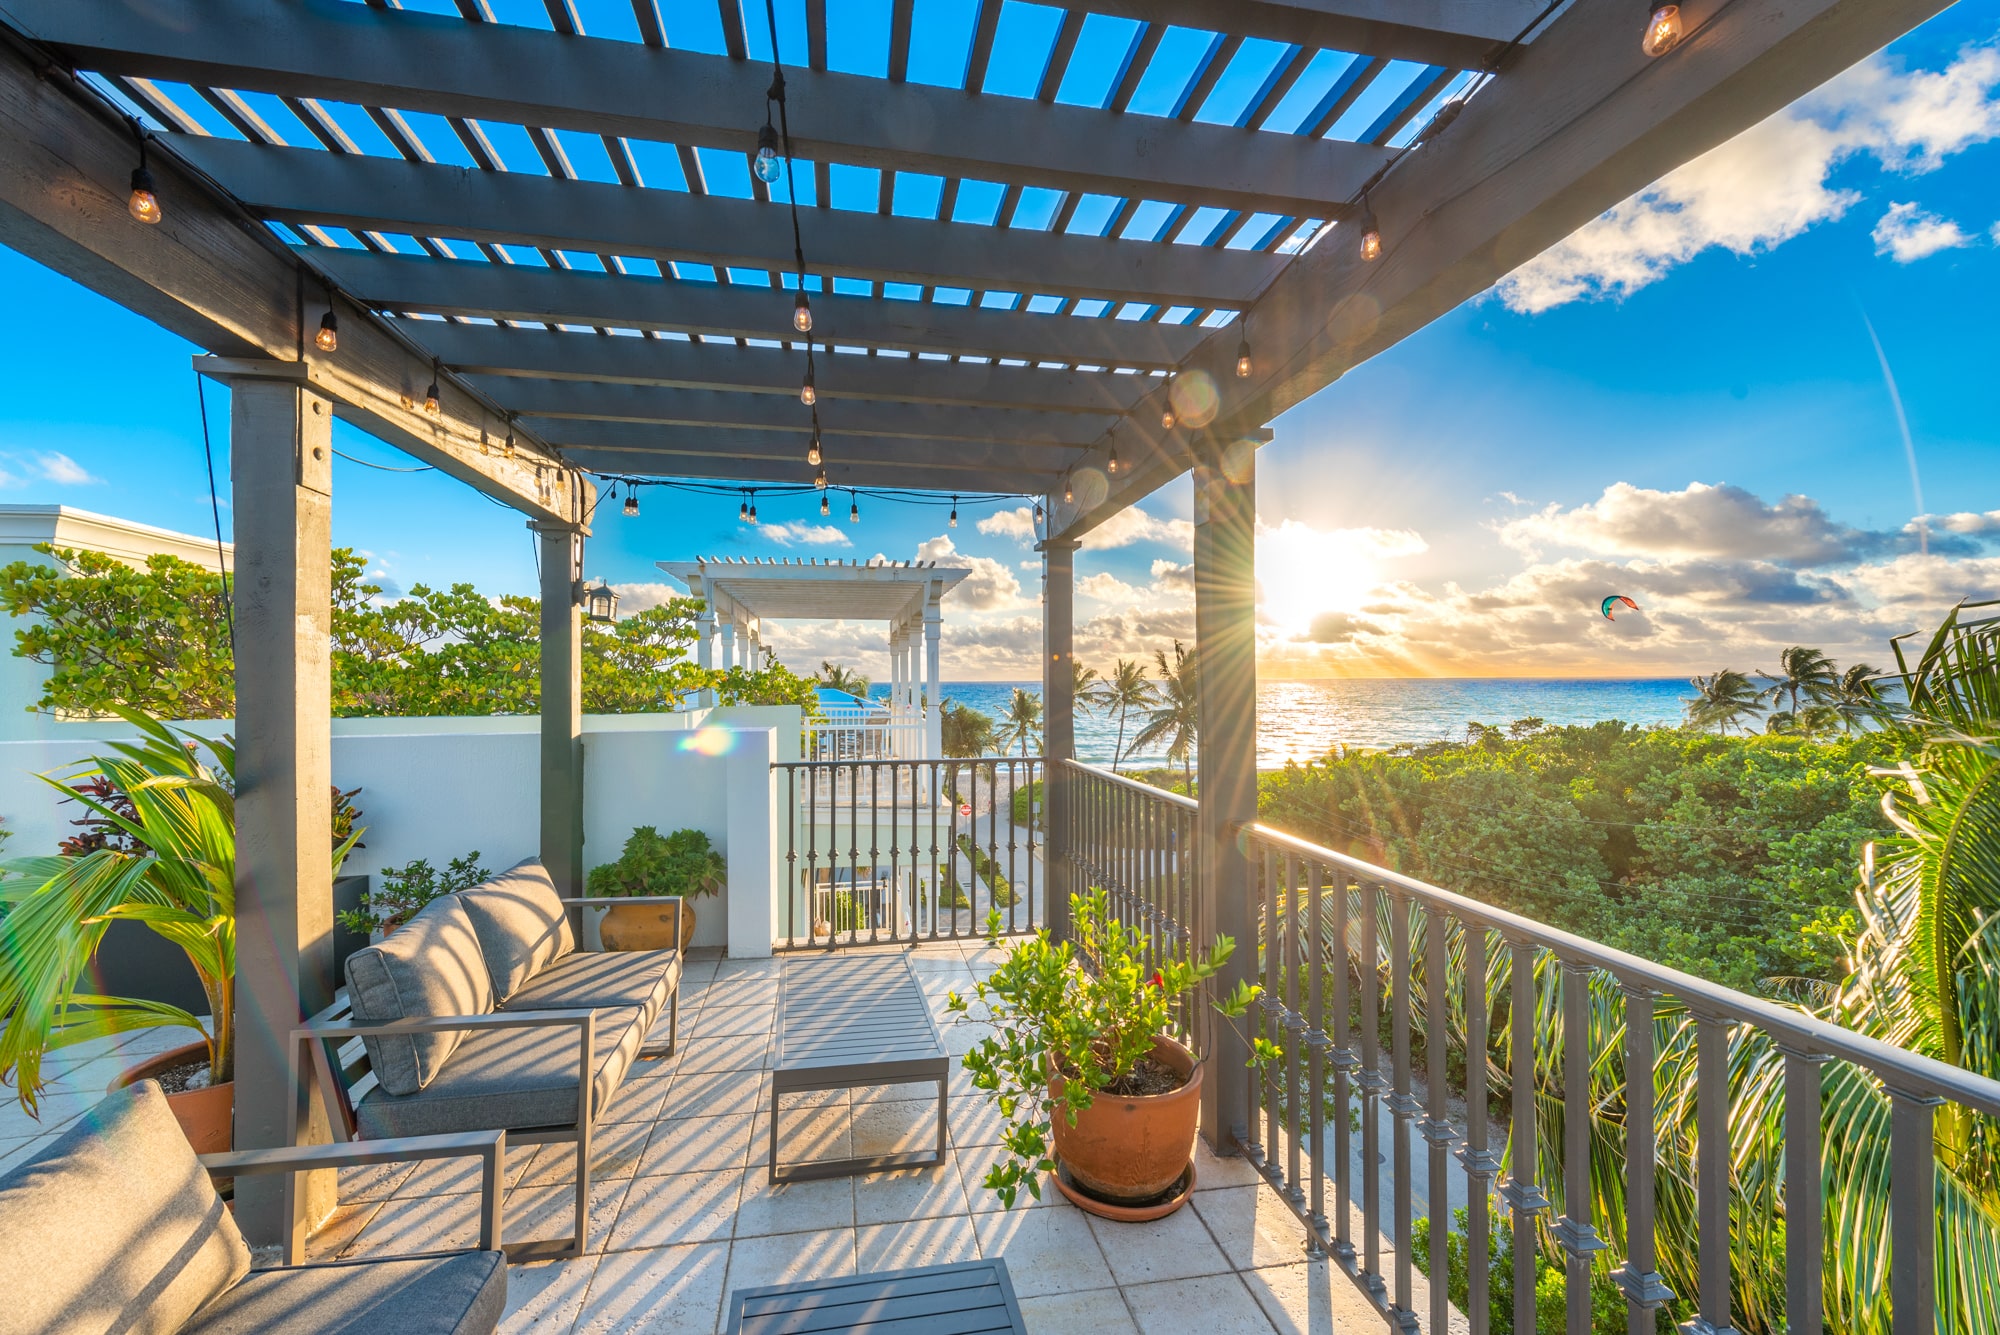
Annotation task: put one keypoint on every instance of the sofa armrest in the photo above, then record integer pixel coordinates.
(490, 1147)
(331, 1029)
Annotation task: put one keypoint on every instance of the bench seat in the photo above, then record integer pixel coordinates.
(416, 1295)
(595, 980)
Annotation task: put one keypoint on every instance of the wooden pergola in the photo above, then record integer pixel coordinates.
(1073, 268)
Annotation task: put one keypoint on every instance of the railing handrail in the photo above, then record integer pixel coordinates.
(1134, 785)
(905, 760)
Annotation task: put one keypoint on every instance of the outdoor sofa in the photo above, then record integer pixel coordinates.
(117, 1228)
(480, 1014)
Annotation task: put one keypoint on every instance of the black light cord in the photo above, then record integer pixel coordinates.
(776, 93)
(215, 513)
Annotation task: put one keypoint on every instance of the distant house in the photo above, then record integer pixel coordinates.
(22, 527)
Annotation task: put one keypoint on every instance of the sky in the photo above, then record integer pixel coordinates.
(1759, 399)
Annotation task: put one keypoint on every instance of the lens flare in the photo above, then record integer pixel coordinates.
(708, 742)
(1195, 399)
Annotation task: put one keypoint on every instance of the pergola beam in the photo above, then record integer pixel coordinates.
(520, 76)
(579, 297)
(489, 350)
(1037, 464)
(841, 474)
(224, 283)
(303, 185)
(1463, 34)
(1581, 121)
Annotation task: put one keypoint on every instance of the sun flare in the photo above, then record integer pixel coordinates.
(1303, 571)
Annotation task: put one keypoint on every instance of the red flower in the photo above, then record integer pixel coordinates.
(1157, 981)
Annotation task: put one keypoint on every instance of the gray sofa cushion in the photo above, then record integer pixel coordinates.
(522, 925)
(509, 1079)
(115, 1227)
(590, 980)
(459, 1294)
(430, 966)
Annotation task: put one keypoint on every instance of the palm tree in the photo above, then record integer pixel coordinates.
(1083, 686)
(1177, 720)
(1858, 697)
(1023, 722)
(1801, 671)
(1125, 690)
(1723, 699)
(837, 677)
(965, 732)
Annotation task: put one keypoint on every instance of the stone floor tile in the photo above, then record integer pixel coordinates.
(658, 1291)
(896, 1128)
(638, 1101)
(1177, 1247)
(723, 1021)
(545, 1297)
(1254, 1227)
(615, 1151)
(910, 1193)
(713, 1094)
(422, 1224)
(369, 1182)
(804, 1135)
(451, 1177)
(1212, 1304)
(974, 1121)
(725, 1052)
(789, 1258)
(793, 1207)
(54, 1111)
(1090, 1312)
(1047, 1251)
(338, 1231)
(1315, 1298)
(698, 1144)
(1211, 1172)
(682, 1207)
(550, 1211)
(915, 1242)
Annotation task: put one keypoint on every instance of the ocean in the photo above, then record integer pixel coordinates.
(1302, 720)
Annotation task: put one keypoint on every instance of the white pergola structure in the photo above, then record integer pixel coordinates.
(909, 595)
(519, 316)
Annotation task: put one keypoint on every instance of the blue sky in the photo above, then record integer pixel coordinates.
(1628, 415)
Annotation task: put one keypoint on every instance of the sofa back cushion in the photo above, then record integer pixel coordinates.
(115, 1227)
(521, 923)
(430, 966)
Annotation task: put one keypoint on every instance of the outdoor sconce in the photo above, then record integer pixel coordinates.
(599, 602)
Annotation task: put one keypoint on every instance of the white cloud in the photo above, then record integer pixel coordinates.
(1107, 588)
(990, 587)
(1771, 183)
(1132, 525)
(1703, 520)
(1173, 576)
(1906, 233)
(806, 535)
(641, 597)
(1018, 524)
(60, 468)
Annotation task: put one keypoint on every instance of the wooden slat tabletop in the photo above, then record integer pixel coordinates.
(968, 1298)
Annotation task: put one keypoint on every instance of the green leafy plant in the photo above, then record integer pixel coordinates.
(1071, 1020)
(681, 863)
(167, 858)
(1002, 890)
(408, 888)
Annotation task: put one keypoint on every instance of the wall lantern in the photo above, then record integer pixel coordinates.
(599, 602)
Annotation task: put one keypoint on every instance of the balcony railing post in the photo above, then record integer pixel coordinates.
(1712, 1173)
(1476, 1155)
(1344, 1065)
(1644, 1290)
(1574, 1230)
(1437, 1130)
(1058, 722)
(1403, 1105)
(1805, 1207)
(1912, 1212)
(1524, 1198)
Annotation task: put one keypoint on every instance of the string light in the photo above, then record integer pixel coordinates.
(1111, 464)
(1663, 28)
(814, 455)
(431, 405)
(819, 480)
(143, 205)
(1069, 493)
(631, 502)
(767, 167)
(743, 510)
(1167, 418)
(853, 508)
(328, 337)
(1371, 233)
(1040, 514)
(802, 314)
(825, 507)
(753, 507)
(954, 512)
(808, 395)
(1243, 358)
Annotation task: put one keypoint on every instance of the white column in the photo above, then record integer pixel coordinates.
(728, 628)
(895, 689)
(756, 655)
(934, 690)
(704, 626)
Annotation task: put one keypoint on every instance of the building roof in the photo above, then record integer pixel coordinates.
(128, 541)
(809, 590)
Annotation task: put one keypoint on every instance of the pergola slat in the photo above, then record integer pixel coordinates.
(1465, 34)
(522, 293)
(298, 185)
(521, 76)
(785, 448)
(489, 350)
(841, 474)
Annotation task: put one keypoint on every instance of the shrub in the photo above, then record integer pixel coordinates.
(407, 888)
(681, 863)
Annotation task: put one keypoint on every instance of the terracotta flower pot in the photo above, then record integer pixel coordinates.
(205, 1115)
(1124, 1150)
(645, 927)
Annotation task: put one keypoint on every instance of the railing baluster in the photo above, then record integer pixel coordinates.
(1477, 1157)
(1912, 1213)
(1574, 1230)
(1521, 1193)
(1712, 1171)
(791, 857)
(1266, 1019)
(1644, 1290)
(867, 904)
(1295, 1032)
(1344, 1063)
(1437, 1126)
(1805, 1220)
(1372, 1084)
(1315, 967)
(1403, 1106)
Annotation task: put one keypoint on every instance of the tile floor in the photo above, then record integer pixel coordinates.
(681, 1213)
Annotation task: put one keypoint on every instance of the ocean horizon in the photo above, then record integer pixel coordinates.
(1302, 720)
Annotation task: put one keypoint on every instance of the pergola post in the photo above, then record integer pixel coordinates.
(562, 705)
(281, 457)
(1058, 720)
(1225, 617)
(728, 628)
(933, 686)
(704, 631)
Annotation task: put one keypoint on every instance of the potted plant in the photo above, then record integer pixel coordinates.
(681, 863)
(1093, 1087)
(162, 852)
(408, 888)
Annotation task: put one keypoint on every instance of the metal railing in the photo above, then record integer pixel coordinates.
(1359, 965)
(899, 851)
(862, 734)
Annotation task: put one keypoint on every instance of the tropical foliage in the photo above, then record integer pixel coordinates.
(1806, 694)
(1023, 723)
(651, 863)
(1175, 720)
(838, 677)
(403, 890)
(1126, 689)
(156, 640)
(171, 865)
(965, 732)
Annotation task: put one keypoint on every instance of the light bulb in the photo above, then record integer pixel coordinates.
(802, 314)
(743, 511)
(431, 398)
(808, 395)
(1167, 419)
(1111, 464)
(1069, 493)
(954, 512)
(854, 512)
(825, 507)
(1243, 359)
(1040, 514)
(1371, 234)
(144, 205)
(753, 512)
(819, 480)
(328, 337)
(1663, 29)
(631, 505)
(813, 453)
(767, 166)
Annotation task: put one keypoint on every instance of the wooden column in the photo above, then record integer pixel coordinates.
(281, 452)
(1058, 719)
(562, 705)
(1225, 618)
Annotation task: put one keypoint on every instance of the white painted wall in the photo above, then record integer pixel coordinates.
(439, 788)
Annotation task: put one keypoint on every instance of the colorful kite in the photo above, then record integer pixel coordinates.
(1612, 602)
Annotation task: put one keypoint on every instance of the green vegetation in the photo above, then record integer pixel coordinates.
(651, 863)
(156, 640)
(988, 871)
(1175, 719)
(965, 732)
(1027, 805)
(1023, 724)
(408, 888)
(1726, 857)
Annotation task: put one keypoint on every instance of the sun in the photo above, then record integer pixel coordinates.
(1303, 571)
